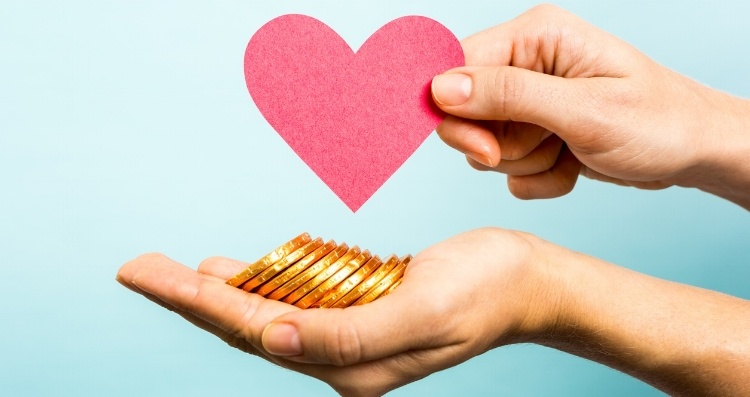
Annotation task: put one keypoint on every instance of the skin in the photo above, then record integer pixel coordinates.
(549, 98)
(553, 97)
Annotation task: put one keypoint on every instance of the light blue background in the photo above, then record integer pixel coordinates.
(126, 127)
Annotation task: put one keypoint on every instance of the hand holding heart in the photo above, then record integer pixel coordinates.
(353, 118)
(547, 96)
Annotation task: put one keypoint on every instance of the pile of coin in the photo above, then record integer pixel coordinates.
(308, 273)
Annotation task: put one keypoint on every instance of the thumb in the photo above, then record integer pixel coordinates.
(511, 93)
(390, 325)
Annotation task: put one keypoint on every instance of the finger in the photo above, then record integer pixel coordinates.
(361, 333)
(555, 182)
(207, 297)
(370, 378)
(230, 339)
(477, 165)
(127, 273)
(517, 139)
(356, 380)
(510, 93)
(497, 45)
(222, 268)
(549, 39)
(472, 138)
(487, 142)
(539, 160)
(376, 378)
(647, 185)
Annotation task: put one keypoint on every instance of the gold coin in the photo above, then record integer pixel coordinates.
(274, 256)
(347, 285)
(392, 287)
(296, 269)
(308, 273)
(279, 266)
(368, 283)
(385, 283)
(352, 266)
(322, 276)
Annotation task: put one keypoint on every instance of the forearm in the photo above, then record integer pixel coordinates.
(681, 339)
(723, 167)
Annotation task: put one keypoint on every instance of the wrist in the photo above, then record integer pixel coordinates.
(721, 167)
(579, 305)
(544, 286)
(680, 339)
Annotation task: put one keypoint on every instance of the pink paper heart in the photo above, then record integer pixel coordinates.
(354, 119)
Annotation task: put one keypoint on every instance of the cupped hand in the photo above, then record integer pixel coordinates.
(546, 97)
(458, 299)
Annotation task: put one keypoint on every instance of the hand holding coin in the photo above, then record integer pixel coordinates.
(438, 316)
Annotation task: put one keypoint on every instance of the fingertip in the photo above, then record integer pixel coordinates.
(473, 138)
(555, 182)
(127, 271)
(481, 159)
(221, 267)
(122, 275)
(451, 89)
(281, 339)
(121, 280)
(476, 164)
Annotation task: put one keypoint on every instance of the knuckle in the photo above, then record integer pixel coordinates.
(454, 131)
(519, 188)
(245, 327)
(544, 9)
(505, 90)
(239, 343)
(342, 345)
(518, 141)
(564, 186)
(514, 152)
(549, 157)
(372, 383)
(209, 262)
(151, 257)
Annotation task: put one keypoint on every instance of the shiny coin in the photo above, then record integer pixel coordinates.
(350, 283)
(384, 284)
(296, 269)
(392, 287)
(322, 276)
(333, 281)
(309, 273)
(279, 266)
(274, 256)
(369, 282)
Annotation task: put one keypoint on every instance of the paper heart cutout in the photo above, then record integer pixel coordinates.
(354, 119)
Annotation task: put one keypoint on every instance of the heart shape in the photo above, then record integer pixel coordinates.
(353, 118)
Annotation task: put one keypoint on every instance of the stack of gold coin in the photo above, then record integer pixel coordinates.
(308, 273)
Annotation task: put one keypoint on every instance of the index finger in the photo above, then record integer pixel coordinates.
(207, 297)
(550, 40)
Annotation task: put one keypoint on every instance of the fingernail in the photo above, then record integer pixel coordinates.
(281, 340)
(451, 89)
(480, 158)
